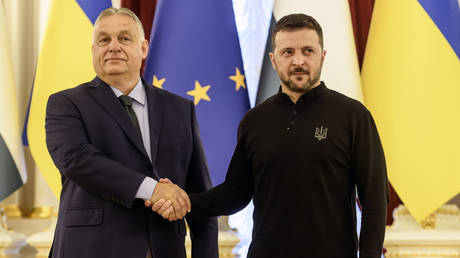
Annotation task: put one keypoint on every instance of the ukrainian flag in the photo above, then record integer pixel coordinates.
(411, 84)
(64, 62)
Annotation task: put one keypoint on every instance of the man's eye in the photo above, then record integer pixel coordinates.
(308, 51)
(103, 40)
(125, 39)
(286, 52)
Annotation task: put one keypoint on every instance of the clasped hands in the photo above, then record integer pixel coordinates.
(169, 200)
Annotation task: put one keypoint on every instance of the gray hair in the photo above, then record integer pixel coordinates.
(120, 11)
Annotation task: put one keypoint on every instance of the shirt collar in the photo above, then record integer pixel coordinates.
(307, 96)
(138, 92)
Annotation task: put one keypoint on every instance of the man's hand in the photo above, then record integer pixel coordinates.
(169, 200)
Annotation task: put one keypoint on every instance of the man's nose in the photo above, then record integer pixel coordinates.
(114, 46)
(298, 60)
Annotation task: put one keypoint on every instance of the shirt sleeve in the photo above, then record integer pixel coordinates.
(371, 179)
(146, 189)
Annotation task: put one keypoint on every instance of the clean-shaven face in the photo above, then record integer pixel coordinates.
(117, 47)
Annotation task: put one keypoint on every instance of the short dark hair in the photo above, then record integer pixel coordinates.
(297, 21)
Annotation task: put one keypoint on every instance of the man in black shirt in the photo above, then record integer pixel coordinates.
(301, 155)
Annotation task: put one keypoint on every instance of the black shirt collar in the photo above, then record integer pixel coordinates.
(307, 96)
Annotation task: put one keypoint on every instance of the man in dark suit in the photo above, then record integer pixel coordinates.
(112, 139)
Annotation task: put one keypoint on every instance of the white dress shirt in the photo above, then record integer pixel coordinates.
(140, 107)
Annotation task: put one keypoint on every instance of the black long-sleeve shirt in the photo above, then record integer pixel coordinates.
(301, 163)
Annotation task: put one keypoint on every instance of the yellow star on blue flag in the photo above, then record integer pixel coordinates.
(199, 93)
(158, 83)
(238, 78)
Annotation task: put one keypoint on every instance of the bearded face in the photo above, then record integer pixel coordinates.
(298, 59)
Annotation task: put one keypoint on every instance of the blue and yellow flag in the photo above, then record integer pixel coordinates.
(411, 84)
(64, 62)
(194, 52)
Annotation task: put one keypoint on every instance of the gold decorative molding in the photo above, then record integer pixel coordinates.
(445, 210)
(429, 222)
(12, 211)
(3, 224)
(436, 236)
(448, 210)
(44, 212)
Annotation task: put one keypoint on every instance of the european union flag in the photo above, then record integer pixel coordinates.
(194, 52)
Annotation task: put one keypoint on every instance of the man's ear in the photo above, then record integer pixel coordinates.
(272, 59)
(144, 48)
(323, 55)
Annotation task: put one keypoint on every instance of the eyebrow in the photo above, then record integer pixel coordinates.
(104, 33)
(293, 48)
(286, 48)
(101, 33)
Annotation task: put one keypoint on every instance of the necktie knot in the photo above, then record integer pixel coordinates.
(127, 101)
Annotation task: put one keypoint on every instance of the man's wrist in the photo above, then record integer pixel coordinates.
(145, 190)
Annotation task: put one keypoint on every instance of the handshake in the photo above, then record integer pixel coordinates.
(169, 200)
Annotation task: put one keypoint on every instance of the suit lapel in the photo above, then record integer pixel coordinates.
(103, 95)
(155, 109)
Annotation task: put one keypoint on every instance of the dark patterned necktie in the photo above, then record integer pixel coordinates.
(128, 105)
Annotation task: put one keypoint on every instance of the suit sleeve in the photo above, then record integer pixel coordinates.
(204, 230)
(372, 184)
(79, 161)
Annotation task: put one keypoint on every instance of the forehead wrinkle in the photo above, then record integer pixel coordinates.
(125, 26)
(116, 21)
(126, 32)
(102, 32)
(296, 45)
